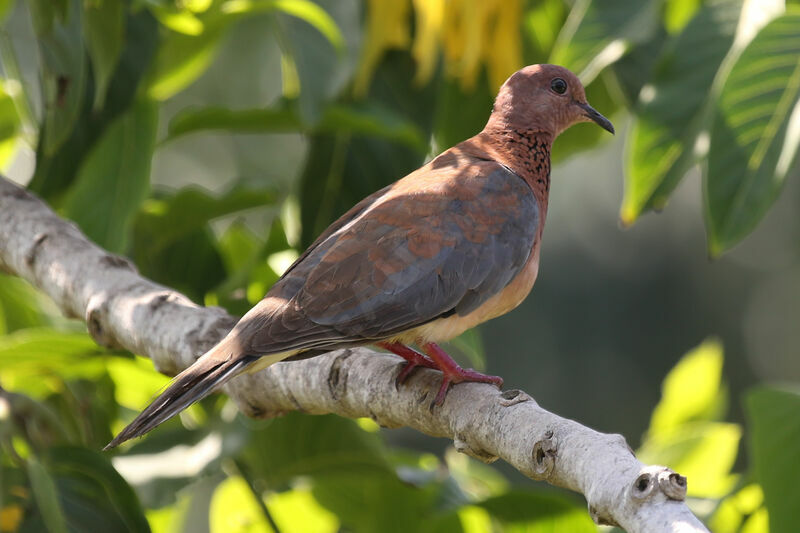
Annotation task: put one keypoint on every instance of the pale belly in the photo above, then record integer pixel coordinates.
(501, 303)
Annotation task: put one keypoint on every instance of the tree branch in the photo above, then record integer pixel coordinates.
(122, 309)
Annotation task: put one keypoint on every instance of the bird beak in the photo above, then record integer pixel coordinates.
(590, 113)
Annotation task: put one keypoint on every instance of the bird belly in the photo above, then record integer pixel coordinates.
(444, 329)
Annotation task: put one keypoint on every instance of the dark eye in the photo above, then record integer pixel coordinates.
(558, 85)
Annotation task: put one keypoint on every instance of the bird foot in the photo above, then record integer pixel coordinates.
(413, 358)
(452, 373)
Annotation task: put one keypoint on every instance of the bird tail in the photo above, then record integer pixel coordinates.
(193, 384)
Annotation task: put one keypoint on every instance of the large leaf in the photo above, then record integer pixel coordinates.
(91, 492)
(103, 28)
(671, 108)
(683, 431)
(755, 132)
(342, 169)
(115, 178)
(65, 71)
(356, 118)
(55, 172)
(597, 33)
(774, 417)
(46, 495)
(692, 391)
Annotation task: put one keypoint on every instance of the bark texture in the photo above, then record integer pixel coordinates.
(122, 309)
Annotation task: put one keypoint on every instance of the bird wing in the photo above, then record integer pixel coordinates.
(436, 243)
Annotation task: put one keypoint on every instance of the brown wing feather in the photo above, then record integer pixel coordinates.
(437, 242)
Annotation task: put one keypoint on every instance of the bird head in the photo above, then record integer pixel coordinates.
(547, 97)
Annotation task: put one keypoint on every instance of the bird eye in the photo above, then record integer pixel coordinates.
(558, 85)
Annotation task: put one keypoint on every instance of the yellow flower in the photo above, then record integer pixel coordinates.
(470, 33)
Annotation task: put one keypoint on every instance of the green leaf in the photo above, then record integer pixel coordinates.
(691, 391)
(64, 75)
(46, 495)
(367, 119)
(91, 492)
(597, 33)
(34, 359)
(671, 108)
(774, 418)
(19, 305)
(103, 29)
(704, 452)
(755, 133)
(677, 13)
(55, 172)
(305, 10)
(347, 495)
(9, 126)
(299, 445)
(173, 243)
(181, 59)
(115, 178)
(534, 512)
(234, 509)
(296, 511)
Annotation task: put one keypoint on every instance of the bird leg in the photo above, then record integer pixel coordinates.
(454, 373)
(413, 359)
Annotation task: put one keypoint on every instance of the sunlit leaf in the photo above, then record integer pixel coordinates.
(672, 108)
(692, 390)
(115, 178)
(774, 417)
(296, 511)
(677, 13)
(37, 360)
(9, 125)
(755, 133)
(733, 510)
(136, 381)
(704, 452)
(104, 34)
(234, 509)
(181, 59)
(597, 33)
(305, 10)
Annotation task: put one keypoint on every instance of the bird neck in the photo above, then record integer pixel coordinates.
(527, 153)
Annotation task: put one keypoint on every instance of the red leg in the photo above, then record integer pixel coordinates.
(454, 373)
(413, 359)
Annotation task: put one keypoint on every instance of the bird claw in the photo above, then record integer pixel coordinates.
(461, 375)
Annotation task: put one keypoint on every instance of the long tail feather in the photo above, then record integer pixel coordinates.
(191, 385)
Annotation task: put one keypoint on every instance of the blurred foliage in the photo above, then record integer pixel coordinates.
(713, 84)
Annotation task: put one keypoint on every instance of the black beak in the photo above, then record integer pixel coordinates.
(590, 113)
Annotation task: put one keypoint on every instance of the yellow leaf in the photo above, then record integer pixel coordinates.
(691, 391)
(296, 511)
